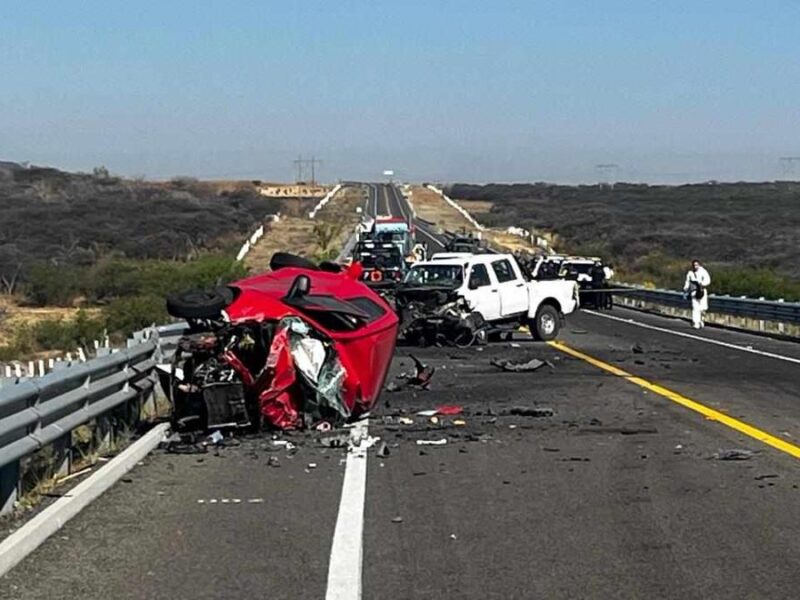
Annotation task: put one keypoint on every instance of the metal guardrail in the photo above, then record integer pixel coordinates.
(39, 412)
(44, 411)
(763, 310)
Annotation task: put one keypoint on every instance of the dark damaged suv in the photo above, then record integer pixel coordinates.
(383, 265)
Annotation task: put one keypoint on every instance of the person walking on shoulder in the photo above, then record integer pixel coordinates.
(696, 288)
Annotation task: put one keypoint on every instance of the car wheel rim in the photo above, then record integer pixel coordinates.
(547, 324)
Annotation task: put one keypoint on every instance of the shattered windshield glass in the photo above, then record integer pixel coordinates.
(436, 275)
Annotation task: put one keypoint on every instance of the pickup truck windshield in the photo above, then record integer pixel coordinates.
(436, 275)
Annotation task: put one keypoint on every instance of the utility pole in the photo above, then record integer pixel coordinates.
(787, 165)
(301, 163)
(314, 162)
(608, 172)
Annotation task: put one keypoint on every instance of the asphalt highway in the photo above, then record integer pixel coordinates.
(627, 490)
(385, 199)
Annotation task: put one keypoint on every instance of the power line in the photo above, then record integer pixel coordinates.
(788, 164)
(608, 172)
(301, 163)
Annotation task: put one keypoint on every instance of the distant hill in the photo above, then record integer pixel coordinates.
(7, 169)
(73, 219)
(653, 231)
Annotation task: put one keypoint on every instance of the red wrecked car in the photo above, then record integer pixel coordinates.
(301, 346)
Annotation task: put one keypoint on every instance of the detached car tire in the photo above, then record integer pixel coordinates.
(280, 260)
(546, 325)
(199, 304)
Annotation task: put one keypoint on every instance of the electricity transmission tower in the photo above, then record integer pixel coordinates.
(787, 166)
(301, 163)
(608, 172)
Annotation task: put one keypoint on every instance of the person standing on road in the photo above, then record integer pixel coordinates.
(696, 288)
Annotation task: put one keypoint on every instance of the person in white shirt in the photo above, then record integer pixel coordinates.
(696, 288)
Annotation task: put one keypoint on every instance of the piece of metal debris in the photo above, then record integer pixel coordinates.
(383, 450)
(733, 454)
(532, 411)
(283, 444)
(517, 367)
(440, 442)
(422, 374)
(338, 440)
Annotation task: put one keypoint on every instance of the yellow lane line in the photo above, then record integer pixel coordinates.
(708, 413)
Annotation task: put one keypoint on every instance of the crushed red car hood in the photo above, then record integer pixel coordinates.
(365, 352)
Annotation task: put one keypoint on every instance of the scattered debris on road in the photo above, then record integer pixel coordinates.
(383, 450)
(532, 411)
(447, 410)
(518, 367)
(733, 454)
(421, 376)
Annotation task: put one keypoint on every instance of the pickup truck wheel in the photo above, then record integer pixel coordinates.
(546, 324)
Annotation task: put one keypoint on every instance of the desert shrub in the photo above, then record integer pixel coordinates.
(58, 334)
(126, 315)
(122, 277)
(326, 233)
(754, 283)
(47, 284)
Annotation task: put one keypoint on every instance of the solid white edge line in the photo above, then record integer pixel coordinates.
(345, 566)
(697, 337)
(32, 534)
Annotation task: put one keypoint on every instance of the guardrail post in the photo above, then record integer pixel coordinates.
(148, 405)
(62, 455)
(104, 435)
(9, 486)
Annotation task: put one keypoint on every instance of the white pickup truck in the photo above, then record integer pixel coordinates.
(495, 286)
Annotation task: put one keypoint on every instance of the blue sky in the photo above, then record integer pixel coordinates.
(449, 91)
